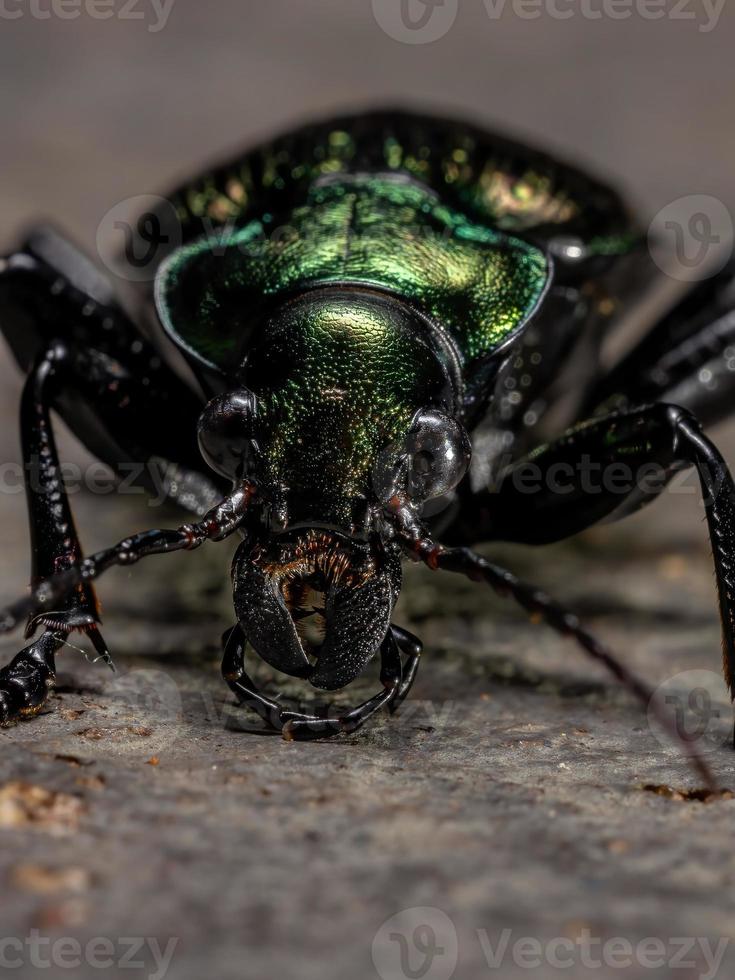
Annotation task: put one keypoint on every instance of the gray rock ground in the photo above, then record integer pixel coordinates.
(508, 793)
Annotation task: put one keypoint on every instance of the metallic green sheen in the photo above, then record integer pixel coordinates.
(495, 180)
(385, 231)
(399, 233)
(338, 379)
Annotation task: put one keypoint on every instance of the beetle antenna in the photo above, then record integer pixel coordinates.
(108, 660)
(222, 521)
(419, 545)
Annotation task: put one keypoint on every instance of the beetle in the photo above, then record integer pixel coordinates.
(387, 316)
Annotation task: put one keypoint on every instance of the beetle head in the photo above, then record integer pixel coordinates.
(347, 404)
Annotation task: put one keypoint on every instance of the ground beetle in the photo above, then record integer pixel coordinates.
(354, 298)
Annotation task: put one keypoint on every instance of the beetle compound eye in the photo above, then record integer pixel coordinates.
(429, 463)
(438, 455)
(225, 432)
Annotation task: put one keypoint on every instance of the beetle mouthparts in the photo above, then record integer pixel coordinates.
(315, 604)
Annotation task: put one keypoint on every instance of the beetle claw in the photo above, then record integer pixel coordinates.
(98, 642)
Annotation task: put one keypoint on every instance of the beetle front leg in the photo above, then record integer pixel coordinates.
(54, 539)
(27, 681)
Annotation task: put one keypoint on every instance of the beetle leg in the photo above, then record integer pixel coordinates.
(26, 682)
(685, 359)
(54, 539)
(642, 449)
(239, 682)
(87, 360)
(296, 726)
(412, 647)
(106, 380)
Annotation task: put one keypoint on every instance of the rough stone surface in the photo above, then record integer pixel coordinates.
(508, 792)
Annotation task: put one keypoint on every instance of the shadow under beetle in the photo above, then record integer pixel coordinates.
(355, 298)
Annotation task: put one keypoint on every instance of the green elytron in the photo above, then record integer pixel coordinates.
(356, 299)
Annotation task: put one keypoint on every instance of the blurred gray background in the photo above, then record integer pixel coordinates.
(525, 810)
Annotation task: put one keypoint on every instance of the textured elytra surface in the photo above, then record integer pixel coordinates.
(479, 283)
